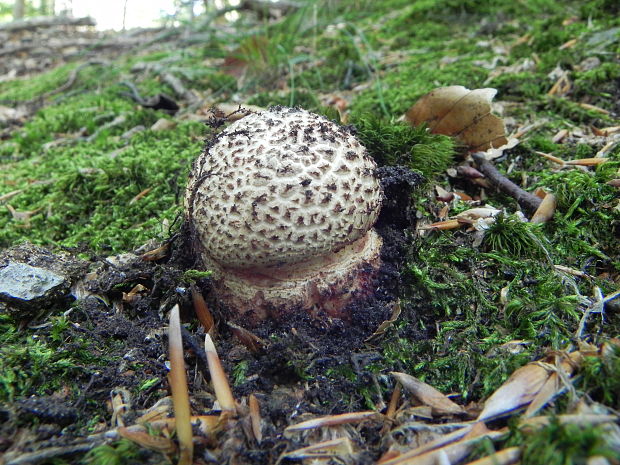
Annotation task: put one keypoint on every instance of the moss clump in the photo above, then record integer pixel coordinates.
(586, 215)
(110, 203)
(34, 365)
(191, 276)
(118, 453)
(512, 235)
(557, 444)
(600, 378)
(395, 143)
(298, 98)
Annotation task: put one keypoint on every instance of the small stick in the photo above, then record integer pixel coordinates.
(526, 200)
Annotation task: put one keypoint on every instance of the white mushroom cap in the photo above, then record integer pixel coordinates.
(278, 189)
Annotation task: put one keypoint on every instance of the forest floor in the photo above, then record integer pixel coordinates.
(492, 332)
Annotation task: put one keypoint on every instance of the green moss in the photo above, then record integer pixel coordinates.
(395, 143)
(194, 275)
(586, 214)
(558, 444)
(90, 197)
(600, 377)
(298, 98)
(26, 89)
(31, 364)
(239, 372)
(119, 453)
(514, 236)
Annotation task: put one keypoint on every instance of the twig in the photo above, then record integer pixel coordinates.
(173, 82)
(50, 453)
(73, 77)
(46, 21)
(526, 200)
(85, 390)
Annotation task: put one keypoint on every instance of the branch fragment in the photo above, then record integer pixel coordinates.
(526, 200)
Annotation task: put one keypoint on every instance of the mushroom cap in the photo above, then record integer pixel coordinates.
(280, 187)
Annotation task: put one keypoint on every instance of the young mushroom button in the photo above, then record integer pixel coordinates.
(281, 206)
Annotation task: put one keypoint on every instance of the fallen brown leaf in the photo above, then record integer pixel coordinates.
(428, 395)
(587, 161)
(461, 113)
(545, 211)
(332, 420)
(221, 387)
(144, 439)
(339, 448)
(255, 418)
(250, 340)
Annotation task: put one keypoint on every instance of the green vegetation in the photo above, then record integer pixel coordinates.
(558, 444)
(119, 453)
(393, 143)
(31, 364)
(477, 304)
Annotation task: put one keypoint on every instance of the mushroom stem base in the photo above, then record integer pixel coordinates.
(324, 284)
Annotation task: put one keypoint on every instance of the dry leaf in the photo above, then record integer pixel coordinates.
(134, 293)
(443, 225)
(221, 387)
(551, 157)
(562, 86)
(534, 384)
(230, 111)
(332, 420)
(462, 113)
(202, 310)
(474, 214)
(207, 424)
(587, 161)
(23, 215)
(252, 54)
(587, 106)
(545, 211)
(569, 44)
(443, 195)
(163, 124)
(156, 254)
(559, 136)
(250, 340)
(334, 448)
(144, 439)
(383, 327)
(9, 195)
(177, 378)
(520, 389)
(255, 418)
(535, 423)
(451, 448)
(140, 195)
(609, 146)
(428, 395)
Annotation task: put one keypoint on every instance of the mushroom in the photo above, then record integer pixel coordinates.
(280, 206)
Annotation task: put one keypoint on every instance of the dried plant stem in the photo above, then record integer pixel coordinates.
(526, 200)
(255, 418)
(202, 310)
(178, 385)
(218, 377)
